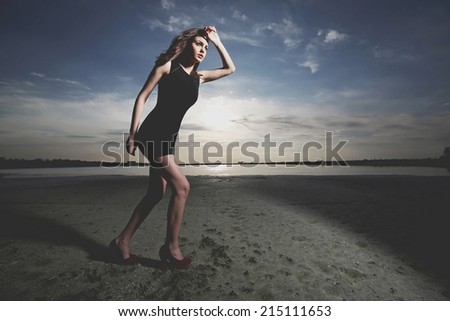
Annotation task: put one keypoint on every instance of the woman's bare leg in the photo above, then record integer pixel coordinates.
(156, 190)
(180, 190)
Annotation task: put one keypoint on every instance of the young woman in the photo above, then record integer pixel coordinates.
(175, 73)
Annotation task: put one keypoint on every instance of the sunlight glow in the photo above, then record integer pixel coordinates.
(218, 116)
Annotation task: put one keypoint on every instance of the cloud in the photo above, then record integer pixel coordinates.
(311, 56)
(173, 24)
(283, 120)
(324, 40)
(221, 20)
(15, 88)
(287, 30)
(167, 4)
(239, 16)
(60, 80)
(240, 38)
(393, 56)
(333, 36)
(48, 127)
(193, 127)
(311, 63)
(37, 75)
(180, 22)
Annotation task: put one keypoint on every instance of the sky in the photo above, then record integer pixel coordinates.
(374, 74)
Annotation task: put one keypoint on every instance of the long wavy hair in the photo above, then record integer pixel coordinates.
(179, 48)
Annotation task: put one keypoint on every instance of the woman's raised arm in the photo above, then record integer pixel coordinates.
(228, 65)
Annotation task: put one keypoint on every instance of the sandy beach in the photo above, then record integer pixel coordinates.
(250, 237)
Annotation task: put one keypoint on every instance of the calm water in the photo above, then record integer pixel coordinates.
(224, 170)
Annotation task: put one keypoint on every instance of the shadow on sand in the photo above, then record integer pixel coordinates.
(32, 227)
(409, 214)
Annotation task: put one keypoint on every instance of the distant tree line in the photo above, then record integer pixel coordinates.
(446, 157)
(10, 163)
(43, 163)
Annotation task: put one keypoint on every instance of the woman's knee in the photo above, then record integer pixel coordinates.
(182, 188)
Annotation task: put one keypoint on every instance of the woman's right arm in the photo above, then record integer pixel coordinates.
(154, 77)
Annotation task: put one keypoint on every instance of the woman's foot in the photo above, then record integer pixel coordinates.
(169, 260)
(175, 252)
(119, 256)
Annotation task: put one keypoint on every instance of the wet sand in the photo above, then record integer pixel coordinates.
(251, 238)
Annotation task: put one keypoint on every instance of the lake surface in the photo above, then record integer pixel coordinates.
(230, 170)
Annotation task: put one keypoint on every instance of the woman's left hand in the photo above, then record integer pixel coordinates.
(131, 147)
(211, 32)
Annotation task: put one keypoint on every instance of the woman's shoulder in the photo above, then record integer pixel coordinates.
(164, 69)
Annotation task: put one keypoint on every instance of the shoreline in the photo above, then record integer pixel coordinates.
(251, 238)
(229, 171)
(440, 162)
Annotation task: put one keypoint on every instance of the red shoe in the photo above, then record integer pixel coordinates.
(116, 255)
(168, 259)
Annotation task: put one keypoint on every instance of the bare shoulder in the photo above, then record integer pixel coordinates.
(163, 69)
(154, 77)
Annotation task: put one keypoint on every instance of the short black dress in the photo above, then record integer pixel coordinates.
(177, 92)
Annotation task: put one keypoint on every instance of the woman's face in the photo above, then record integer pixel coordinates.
(199, 48)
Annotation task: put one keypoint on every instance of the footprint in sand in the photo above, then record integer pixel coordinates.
(218, 253)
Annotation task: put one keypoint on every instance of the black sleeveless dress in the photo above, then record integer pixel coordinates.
(177, 92)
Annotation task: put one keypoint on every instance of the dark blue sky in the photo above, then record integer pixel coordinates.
(375, 73)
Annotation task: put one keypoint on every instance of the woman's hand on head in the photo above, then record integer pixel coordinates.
(211, 32)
